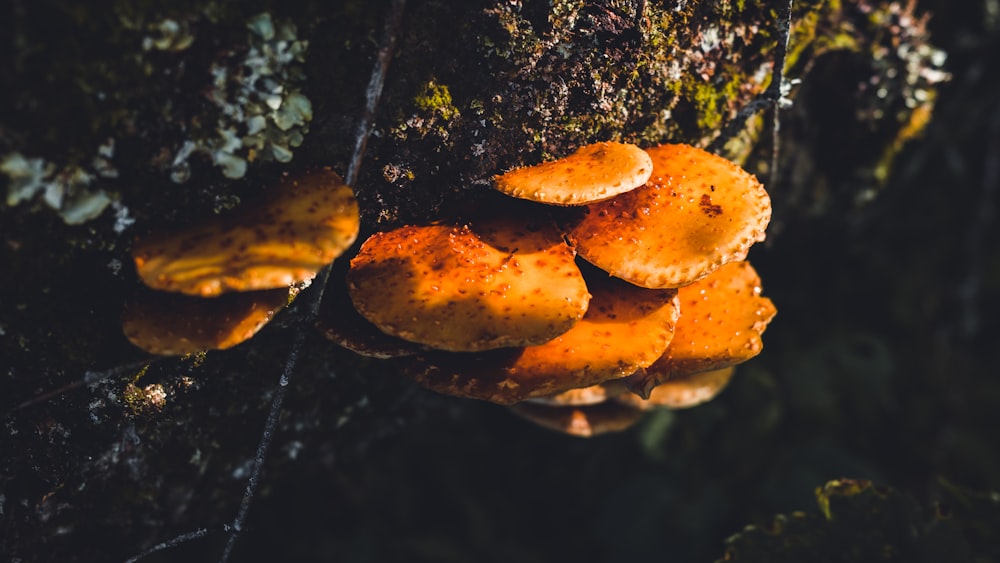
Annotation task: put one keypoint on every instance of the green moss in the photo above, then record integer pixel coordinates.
(710, 101)
(435, 98)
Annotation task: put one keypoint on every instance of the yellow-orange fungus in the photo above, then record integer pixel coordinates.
(301, 227)
(697, 212)
(496, 283)
(720, 325)
(172, 324)
(626, 328)
(593, 173)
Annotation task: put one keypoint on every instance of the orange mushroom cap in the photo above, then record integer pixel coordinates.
(697, 212)
(722, 319)
(683, 392)
(593, 173)
(171, 324)
(283, 240)
(626, 328)
(499, 283)
(341, 323)
(582, 421)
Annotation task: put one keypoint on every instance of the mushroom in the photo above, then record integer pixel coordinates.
(625, 328)
(583, 421)
(593, 173)
(341, 323)
(582, 396)
(501, 282)
(280, 241)
(683, 392)
(697, 212)
(720, 325)
(172, 324)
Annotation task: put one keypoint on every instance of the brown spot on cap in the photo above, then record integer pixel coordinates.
(626, 328)
(280, 241)
(171, 324)
(593, 173)
(499, 283)
(697, 212)
(722, 319)
(709, 208)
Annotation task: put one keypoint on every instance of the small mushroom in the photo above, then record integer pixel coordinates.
(582, 396)
(582, 421)
(593, 173)
(277, 242)
(172, 324)
(501, 282)
(720, 325)
(626, 328)
(697, 212)
(682, 392)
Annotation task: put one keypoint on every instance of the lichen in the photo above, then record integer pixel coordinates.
(263, 114)
(67, 189)
(168, 35)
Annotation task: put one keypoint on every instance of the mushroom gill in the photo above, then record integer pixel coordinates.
(584, 421)
(682, 392)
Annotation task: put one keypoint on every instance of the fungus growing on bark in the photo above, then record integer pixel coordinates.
(593, 173)
(722, 319)
(697, 212)
(171, 324)
(501, 282)
(625, 329)
(497, 309)
(283, 240)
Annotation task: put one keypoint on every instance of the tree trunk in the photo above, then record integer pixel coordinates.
(122, 118)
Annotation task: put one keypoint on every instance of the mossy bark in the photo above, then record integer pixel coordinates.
(103, 457)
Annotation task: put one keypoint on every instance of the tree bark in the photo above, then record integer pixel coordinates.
(106, 455)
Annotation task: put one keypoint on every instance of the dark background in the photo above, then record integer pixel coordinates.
(880, 365)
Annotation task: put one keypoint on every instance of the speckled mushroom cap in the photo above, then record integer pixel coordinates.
(341, 323)
(581, 421)
(286, 239)
(593, 173)
(501, 282)
(697, 212)
(683, 392)
(626, 328)
(720, 325)
(171, 324)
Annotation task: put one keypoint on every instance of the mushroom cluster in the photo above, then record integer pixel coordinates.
(610, 282)
(215, 284)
